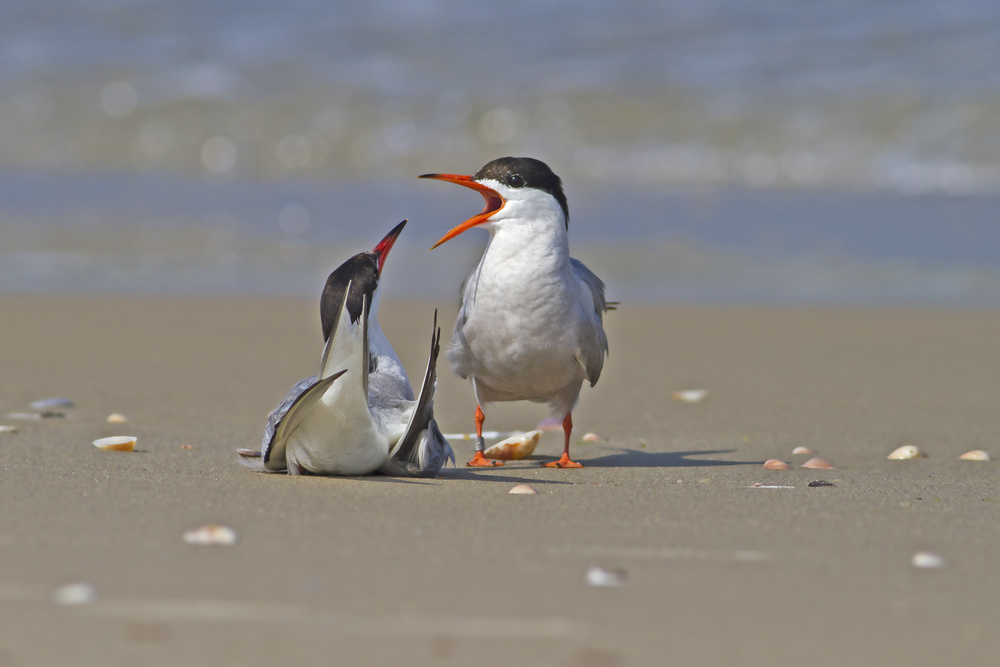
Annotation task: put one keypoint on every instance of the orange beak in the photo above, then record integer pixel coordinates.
(385, 245)
(494, 202)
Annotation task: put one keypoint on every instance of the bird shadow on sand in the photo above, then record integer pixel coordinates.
(633, 458)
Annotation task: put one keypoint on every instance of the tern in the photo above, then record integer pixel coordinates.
(531, 321)
(358, 415)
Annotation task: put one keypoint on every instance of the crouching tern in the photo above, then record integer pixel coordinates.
(358, 415)
(530, 325)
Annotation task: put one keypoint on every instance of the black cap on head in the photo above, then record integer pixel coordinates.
(361, 273)
(525, 172)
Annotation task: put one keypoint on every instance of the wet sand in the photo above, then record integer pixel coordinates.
(457, 571)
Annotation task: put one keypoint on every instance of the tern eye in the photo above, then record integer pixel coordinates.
(515, 181)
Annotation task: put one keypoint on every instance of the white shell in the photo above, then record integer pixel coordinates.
(975, 455)
(690, 395)
(598, 576)
(514, 448)
(116, 418)
(907, 452)
(76, 594)
(211, 534)
(927, 559)
(802, 450)
(117, 443)
(523, 489)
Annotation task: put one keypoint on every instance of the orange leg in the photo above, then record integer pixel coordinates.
(478, 460)
(565, 461)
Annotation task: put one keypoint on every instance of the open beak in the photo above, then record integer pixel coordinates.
(385, 245)
(494, 202)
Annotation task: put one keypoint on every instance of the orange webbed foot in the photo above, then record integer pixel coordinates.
(480, 461)
(564, 462)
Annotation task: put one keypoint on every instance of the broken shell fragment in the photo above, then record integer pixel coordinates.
(975, 455)
(8, 429)
(907, 452)
(116, 418)
(927, 559)
(514, 448)
(523, 489)
(598, 576)
(818, 463)
(802, 450)
(775, 464)
(117, 443)
(690, 395)
(72, 595)
(590, 437)
(211, 534)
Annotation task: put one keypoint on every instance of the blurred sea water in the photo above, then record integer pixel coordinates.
(830, 151)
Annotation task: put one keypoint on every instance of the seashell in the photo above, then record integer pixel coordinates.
(819, 483)
(598, 576)
(211, 534)
(116, 418)
(192, 447)
(817, 463)
(690, 395)
(8, 429)
(590, 437)
(802, 450)
(72, 595)
(514, 448)
(975, 455)
(249, 453)
(907, 452)
(775, 464)
(927, 559)
(47, 403)
(523, 489)
(117, 443)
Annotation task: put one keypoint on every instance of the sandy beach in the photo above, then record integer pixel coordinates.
(713, 570)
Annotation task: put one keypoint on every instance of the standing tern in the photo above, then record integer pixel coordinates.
(530, 325)
(358, 415)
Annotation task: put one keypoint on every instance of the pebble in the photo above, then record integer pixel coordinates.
(72, 595)
(47, 403)
(116, 418)
(598, 576)
(907, 452)
(211, 534)
(818, 464)
(523, 489)
(820, 482)
(975, 455)
(775, 464)
(927, 560)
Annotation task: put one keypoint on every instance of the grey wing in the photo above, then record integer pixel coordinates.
(300, 402)
(594, 342)
(275, 418)
(423, 450)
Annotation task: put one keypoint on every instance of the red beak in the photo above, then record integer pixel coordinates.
(385, 245)
(494, 202)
